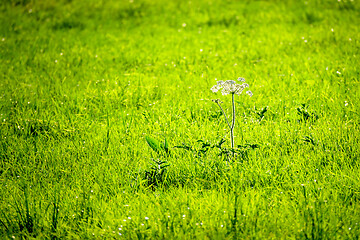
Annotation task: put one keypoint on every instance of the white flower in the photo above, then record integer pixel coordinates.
(215, 88)
(230, 82)
(249, 93)
(230, 86)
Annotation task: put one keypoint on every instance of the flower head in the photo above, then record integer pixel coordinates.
(230, 86)
(249, 93)
(217, 87)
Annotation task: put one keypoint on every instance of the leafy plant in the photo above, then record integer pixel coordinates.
(309, 139)
(261, 113)
(305, 115)
(156, 175)
(204, 147)
(158, 147)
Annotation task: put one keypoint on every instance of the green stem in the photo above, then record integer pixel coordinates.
(233, 122)
(227, 121)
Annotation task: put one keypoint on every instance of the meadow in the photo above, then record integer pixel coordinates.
(108, 131)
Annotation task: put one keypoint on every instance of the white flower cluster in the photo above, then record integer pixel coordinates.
(230, 86)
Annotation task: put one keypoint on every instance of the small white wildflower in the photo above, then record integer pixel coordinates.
(230, 86)
(146, 218)
(216, 88)
(338, 72)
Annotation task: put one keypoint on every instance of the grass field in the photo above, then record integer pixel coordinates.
(86, 85)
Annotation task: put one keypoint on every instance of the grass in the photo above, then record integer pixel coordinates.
(83, 83)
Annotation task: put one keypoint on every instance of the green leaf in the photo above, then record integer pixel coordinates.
(166, 146)
(154, 144)
(157, 146)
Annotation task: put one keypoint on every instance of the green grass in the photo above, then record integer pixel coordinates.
(84, 82)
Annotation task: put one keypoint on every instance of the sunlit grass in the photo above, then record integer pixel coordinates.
(84, 82)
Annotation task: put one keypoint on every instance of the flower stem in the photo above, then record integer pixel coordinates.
(233, 122)
(227, 121)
